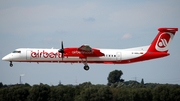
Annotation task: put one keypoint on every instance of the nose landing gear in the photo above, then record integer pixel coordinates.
(10, 64)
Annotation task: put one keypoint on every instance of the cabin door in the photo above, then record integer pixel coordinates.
(28, 55)
(118, 56)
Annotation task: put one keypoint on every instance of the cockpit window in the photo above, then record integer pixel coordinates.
(16, 51)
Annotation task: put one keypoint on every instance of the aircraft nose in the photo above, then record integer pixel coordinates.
(6, 58)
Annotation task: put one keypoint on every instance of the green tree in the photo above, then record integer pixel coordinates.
(14, 93)
(62, 93)
(21, 93)
(142, 81)
(85, 84)
(141, 94)
(95, 93)
(88, 94)
(105, 94)
(161, 93)
(1, 84)
(176, 94)
(121, 94)
(114, 76)
(39, 93)
(4, 94)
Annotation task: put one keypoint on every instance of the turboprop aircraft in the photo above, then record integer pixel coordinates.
(86, 54)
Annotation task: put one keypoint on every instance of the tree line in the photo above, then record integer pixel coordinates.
(116, 90)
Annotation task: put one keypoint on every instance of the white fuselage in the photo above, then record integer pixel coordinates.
(52, 55)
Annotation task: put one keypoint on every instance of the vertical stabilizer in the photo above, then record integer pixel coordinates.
(163, 39)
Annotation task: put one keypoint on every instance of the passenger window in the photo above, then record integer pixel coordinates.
(16, 51)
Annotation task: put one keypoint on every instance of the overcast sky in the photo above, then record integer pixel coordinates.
(102, 23)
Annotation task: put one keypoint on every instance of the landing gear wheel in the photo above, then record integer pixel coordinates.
(86, 68)
(10, 64)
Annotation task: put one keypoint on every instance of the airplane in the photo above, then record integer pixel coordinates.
(86, 54)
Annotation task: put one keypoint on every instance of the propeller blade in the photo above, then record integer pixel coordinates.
(61, 50)
(62, 55)
(62, 47)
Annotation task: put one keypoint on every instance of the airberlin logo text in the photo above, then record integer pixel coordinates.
(44, 54)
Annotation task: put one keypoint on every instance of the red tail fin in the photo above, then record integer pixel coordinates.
(162, 40)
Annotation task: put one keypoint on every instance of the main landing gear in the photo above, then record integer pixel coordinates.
(10, 64)
(86, 67)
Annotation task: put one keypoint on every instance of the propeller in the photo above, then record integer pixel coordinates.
(61, 50)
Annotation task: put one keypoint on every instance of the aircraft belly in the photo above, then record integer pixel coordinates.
(73, 59)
